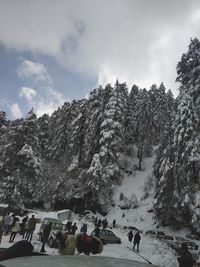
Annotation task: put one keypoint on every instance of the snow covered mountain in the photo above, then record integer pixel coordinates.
(94, 153)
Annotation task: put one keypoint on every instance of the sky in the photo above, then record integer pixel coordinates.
(56, 51)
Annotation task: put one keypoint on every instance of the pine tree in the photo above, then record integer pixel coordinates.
(43, 124)
(130, 121)
(21, 160)
(104, 168)
(183, 180)
(10, 192)
(59, 130)
(143, 120)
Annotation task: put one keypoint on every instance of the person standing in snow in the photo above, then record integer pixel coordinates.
(73, 229)
(66, 243)
(24, 220)
(15, 229)
(114, 223)
(104, 224)
(84, 229)
(31, 228)
(25, 234)
(136, 240)
(99, 223)
(11, 222)
(185, 259)
(1, 229)
(97, 231)
(95, 221)
(130, 236)
(45, 236)
(68, 226)
(6, 223)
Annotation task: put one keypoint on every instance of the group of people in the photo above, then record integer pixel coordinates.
(104, 223)
(136, 240)
(71, 228)
(98, 223)
(184, 259)
(68, 241)
(70, 231)
(10, 224)
(101, 223)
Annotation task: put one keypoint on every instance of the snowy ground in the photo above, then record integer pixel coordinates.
(154, 250)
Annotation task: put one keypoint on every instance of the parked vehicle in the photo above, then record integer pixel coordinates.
(193, 237)
(57, 226)
(64, 214)
(174, 240)
(107, 236)
(167, 238)
(178, 240)
(155, 234)
(193, 248)
(132, 228)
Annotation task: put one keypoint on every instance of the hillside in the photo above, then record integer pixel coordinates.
(133, 186)
(153, 250)
(77, 156)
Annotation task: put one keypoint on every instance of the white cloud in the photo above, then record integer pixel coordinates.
(57, 96)
(49, 102)
(106, 39)
(27, 93)
(45, 100)
(196, 16)
(45, 107)
(15, 110)
(36, 71)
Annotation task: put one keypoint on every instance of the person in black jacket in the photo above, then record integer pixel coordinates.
(73, 229)
(22, 226)
(136, 240)
(83, 229)
(185, 259)
(45, 236)
(97, 231)
(130, 236)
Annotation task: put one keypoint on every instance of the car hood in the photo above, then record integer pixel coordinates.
(71, 261)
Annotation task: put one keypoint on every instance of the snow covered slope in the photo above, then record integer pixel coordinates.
(134, 185)
(154, 250)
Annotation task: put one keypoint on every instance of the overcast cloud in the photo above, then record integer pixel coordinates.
(45, 99)
(137, 41)
(34, 70)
